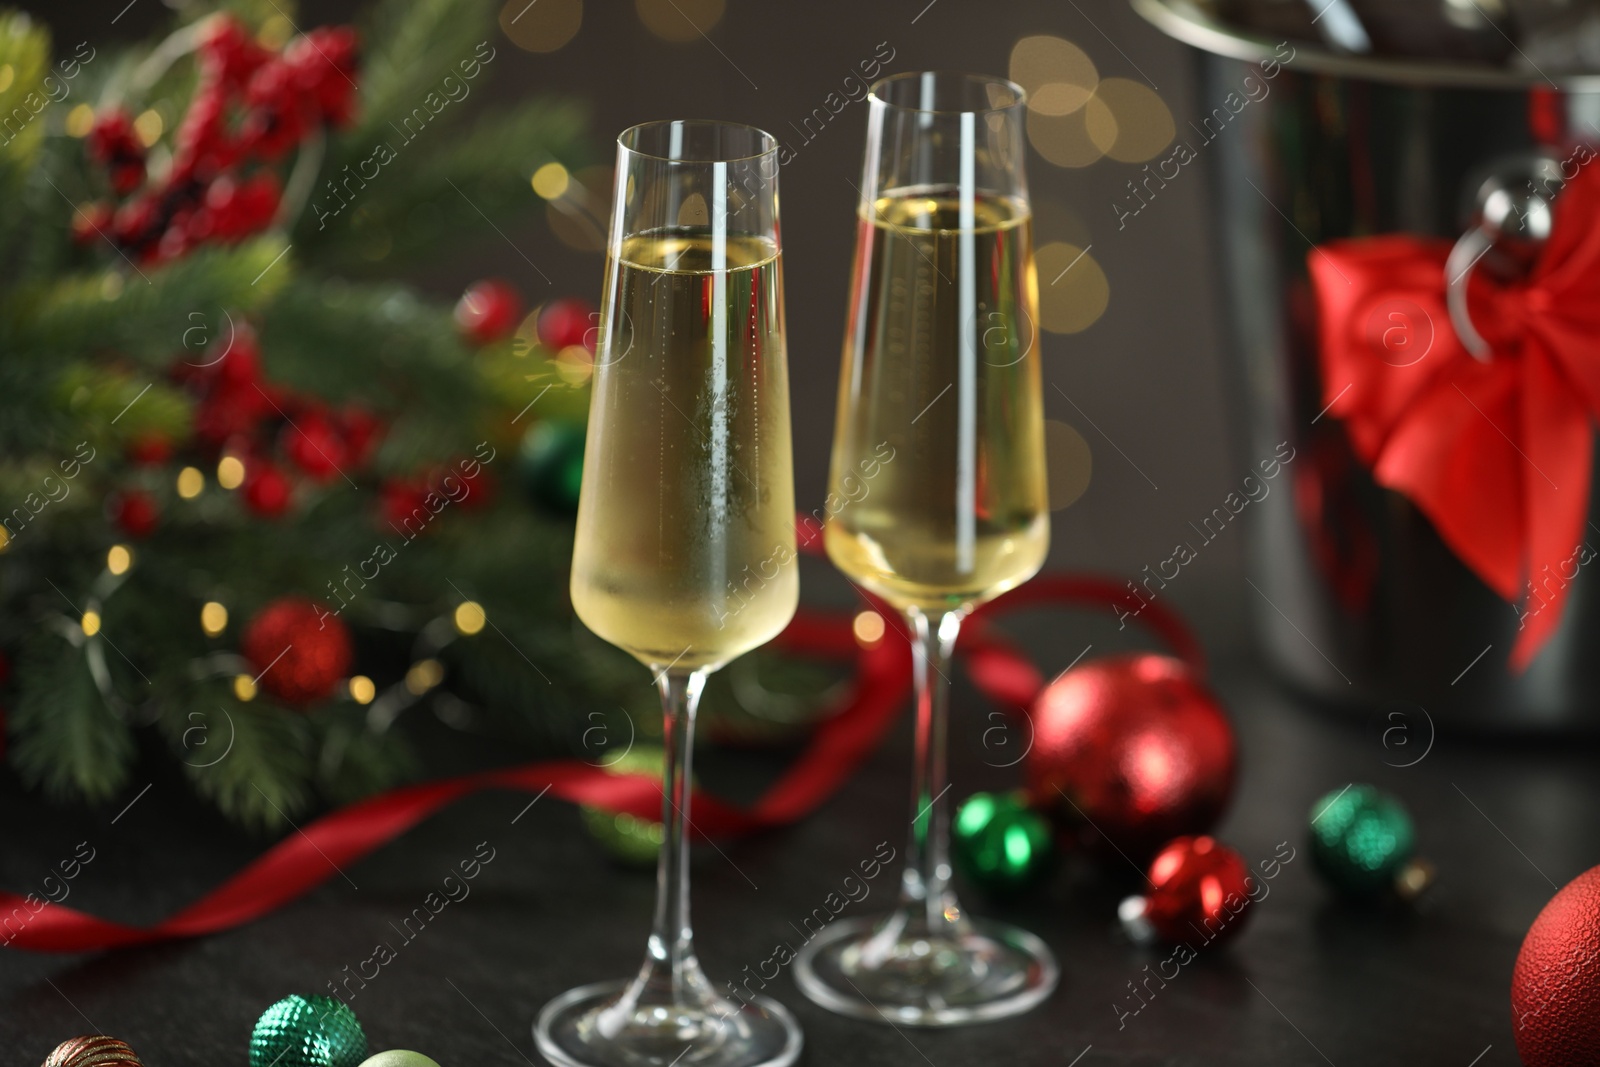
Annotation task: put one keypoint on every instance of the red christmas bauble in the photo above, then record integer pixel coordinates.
(1555, 987)
(135, 512)
(1199, 892)
(299, 648)
(267, 490)
(150, 449)
(1132, 748)
(488, 311)
(315, 445)
(566, 322)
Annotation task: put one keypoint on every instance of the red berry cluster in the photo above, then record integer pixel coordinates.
(269, 428)
(252, 105)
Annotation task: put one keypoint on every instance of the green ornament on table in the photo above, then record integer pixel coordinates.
(634, 841)
(1362, 841)
(314, 1031)
(1000, 843)
(550, 464)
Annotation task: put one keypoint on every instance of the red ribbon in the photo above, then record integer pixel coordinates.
(846, 736)
(1497, 454)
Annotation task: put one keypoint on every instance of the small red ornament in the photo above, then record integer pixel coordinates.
(1555, 987)
(488, 311)
(299, 648)
(1131, 747)
(149, 449)
(314, 445)
(1199, 893)
(566, 322)
(267, 490)
(135, 512)
(403, 503)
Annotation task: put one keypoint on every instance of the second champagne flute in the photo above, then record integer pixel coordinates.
(684, 552)
(939, 456)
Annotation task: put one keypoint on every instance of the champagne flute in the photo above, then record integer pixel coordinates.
(684, 552)
(938, 456)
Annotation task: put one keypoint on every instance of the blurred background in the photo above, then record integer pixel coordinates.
(1131, 332)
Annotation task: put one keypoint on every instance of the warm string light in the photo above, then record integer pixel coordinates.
(469, 617)
(551, 181)
(423, 676)
(230, 472)
(362, 689)
(868, 628)
(190, 482)
(90, 623)
(244, 687)
(118, 559)
(213, 618)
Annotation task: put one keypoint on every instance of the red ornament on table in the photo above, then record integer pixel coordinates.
(488, 311)
(1555, 987)
(299, 648)
(1132, 748)
(135, 512)
(1199, 890)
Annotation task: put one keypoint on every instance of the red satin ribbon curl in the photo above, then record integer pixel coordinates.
(847, 734)
(1496, 454)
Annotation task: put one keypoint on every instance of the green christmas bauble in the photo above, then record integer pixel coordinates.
(550, 464)
(314, 1031)
(1361, 839)
(634, 841)
(1000, 843)
(399, 1057)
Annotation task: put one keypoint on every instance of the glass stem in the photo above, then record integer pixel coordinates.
(671, 956)
(925, 891)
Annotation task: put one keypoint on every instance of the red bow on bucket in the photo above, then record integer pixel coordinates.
(1496, 453)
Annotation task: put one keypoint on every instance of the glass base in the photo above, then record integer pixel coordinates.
(887, 970)
(592, 1026)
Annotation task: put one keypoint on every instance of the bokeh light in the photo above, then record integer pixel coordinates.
(148, 126)
(1127, 121)
(541, 25)
(190, 482)
(423, 676)
(1073, 290)
(551, 180)
(230, 472)
(80, 120)
(679, 21)
(213, 618)
(1059, 77)
(469, 617)
(868, 628)
(90, 623)
(244, 687)
(1064, 139)
(1068, 463)
(362, 690)
(119, 559)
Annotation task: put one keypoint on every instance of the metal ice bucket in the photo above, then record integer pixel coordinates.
(1361, 603)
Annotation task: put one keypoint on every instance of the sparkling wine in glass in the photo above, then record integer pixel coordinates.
(941, 375)
(684, 553)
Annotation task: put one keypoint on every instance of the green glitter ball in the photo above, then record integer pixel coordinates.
(628, 838)
(1000, 843)
(1360, 839)
(310, 1031)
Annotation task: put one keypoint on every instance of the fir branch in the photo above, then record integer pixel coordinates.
(253, 762)
(66, 738)
(410, 46)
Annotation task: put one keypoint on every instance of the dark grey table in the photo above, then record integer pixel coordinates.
(1310, 981)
